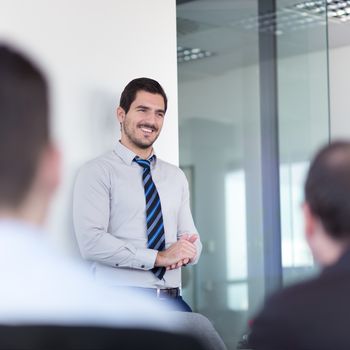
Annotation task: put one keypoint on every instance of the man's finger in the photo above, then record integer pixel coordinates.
(185, 261)
(192, 238)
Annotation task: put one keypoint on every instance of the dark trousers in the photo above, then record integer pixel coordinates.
(172, 302)
(177, 304)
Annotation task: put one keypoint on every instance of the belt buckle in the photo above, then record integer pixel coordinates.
(159, 294)
(168, 293)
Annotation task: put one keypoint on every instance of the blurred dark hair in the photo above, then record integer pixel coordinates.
(327, 188)
(24, 127)
(141, 84)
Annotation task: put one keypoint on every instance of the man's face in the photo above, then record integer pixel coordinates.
(142, 124)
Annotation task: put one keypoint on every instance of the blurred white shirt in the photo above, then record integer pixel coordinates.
(39, 285)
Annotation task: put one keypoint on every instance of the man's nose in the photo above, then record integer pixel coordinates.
(152, 117)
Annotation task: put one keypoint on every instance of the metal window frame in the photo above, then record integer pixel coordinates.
(270, 150)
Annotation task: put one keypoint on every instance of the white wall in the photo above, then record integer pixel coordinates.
(339, 77)
(90, 50)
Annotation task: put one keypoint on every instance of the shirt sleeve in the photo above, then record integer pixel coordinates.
(185, 220)
(91, 211)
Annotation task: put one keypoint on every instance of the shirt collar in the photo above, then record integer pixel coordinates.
(128, 156)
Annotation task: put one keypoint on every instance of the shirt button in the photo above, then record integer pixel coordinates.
(143, 266)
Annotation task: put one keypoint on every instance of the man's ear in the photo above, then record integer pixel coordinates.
(120, 114)
(309, 222)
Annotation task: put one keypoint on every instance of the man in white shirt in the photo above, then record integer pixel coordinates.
(131, 209)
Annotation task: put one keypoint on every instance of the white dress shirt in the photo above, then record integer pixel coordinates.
(109, 214)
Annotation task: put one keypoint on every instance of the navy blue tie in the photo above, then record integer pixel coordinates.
(154, 217)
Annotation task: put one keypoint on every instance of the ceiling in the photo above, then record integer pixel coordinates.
(222, 27)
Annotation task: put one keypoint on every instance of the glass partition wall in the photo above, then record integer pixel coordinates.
(238, 124)
(303, 114)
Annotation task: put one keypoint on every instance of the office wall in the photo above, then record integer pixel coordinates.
(90, 50)
(216, 138)
(339, 78)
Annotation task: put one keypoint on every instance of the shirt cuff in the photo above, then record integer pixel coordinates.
(144, 259)
(198, 245)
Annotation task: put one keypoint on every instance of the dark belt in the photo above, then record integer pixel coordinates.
(161, 292)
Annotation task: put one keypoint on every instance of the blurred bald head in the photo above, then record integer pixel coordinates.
(23, 124)
(327, 189)
(28, 162)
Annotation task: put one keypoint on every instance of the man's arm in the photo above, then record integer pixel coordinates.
(185, 225)
(91, 210)
(186, 228)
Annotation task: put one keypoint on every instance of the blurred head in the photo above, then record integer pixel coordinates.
(143, 104)
(28, 161)
(327, 199)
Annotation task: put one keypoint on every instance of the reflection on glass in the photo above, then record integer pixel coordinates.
(295, 250)
(220, 141)
(303, 123)
(236, 238)
(238, 297)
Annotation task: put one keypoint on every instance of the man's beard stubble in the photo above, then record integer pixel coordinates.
(134, 140)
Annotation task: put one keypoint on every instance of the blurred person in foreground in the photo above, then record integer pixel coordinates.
(38, 285)
(316, 314)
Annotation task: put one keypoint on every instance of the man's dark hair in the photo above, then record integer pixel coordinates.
(24, 127)
(327, 188)
(141, 84)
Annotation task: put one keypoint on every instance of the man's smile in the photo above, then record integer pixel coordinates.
(148, 129)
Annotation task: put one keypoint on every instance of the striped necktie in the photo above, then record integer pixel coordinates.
(154, 217)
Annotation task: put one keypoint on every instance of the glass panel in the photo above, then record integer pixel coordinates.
(295, 251)
(237, 297)
(220, 146)
(219, 120)
(236, 237)
(303, 118)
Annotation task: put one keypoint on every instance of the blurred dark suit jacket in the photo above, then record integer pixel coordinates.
(313, 315)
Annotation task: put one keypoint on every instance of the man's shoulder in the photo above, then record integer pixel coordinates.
(298, 304)
(319, 305)
(101, 163)
(171, 168)
(278, 324)
(318, 289)
(105, 158)
(294, 297)
(166, 164)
